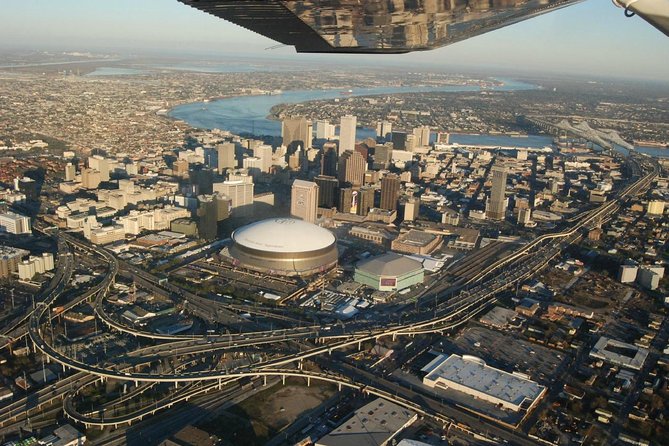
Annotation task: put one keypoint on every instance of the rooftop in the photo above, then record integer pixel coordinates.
(371, 425)
(475, 374)
(287, 235)
(390, 264)
(619, 353)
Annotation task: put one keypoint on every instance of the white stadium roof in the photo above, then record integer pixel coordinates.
(287, 235)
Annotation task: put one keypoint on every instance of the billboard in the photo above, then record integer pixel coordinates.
(388, 281)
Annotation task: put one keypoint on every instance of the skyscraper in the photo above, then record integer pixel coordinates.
(411, 209)
(202, 178)
(240, 193)
(347, 133)
(383, 129)
(304, 200)
(352, 167)
(421, 136)
(365, 200)
(390, 192)
(70, 172)
(226, 157)
(264, 153)
(328, 191)
(212, 209)
(296, 132)
(496, 208)
(324, 130)
(345, 199)
(399, 140)
(329, 160)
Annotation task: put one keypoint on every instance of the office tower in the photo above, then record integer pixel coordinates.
(352, 167)
(365, 201)
(100, 164)
(347, 133)
(384, 129)
(264, 153)
(524, 216)
(180, 168)
(363, 150)
(390, 192)
(412, 209)
(383, 155)
(212, 209)
(421, 136)
(325, 130)
(13, 223)
(329, 160)
(296, 132)
(70, 172)
(443, 138)
(202, 178)
(346, 200)
(410, 144)
(90, 178)
(304, 200)
(399, 140)
(240, 192)
(496, 209)
(328, 191)
(226, 157)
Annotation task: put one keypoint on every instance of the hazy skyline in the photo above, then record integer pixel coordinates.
(591, 38)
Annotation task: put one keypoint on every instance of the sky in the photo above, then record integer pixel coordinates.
(590, 38)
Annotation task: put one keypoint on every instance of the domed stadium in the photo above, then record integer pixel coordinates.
(285, 247)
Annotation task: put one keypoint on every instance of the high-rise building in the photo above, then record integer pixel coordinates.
(421, 136)
(383, 155)
(347, 129)
(70, 172)
(15, 223)
(240, 192)
(226, 157)
(328, 191)
(399, 140)
(329, 160)
(304, 200)
(325, 130)
(90, 178)
(365, 200)
(180, 168)
(9, 260)
(383, 129)
(496, 208)
(296, 132)
(202, 178)
(264, 153)
(352, 167)
(212, 209)
(412, 209)
(346, 198)
(524, 215)
(101, 164)
(390, 192)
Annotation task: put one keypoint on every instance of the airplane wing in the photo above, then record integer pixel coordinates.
(374, 26)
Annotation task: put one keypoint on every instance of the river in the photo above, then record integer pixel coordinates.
(249, 114)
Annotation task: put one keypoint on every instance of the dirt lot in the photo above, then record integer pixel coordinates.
(259, 418)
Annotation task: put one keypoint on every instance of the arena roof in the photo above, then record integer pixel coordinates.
(285, 235)
(390, 264)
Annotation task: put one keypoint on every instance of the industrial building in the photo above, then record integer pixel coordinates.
(619, 353)
(375, 424)
(389, 272)
(284, 246)
(472, 376)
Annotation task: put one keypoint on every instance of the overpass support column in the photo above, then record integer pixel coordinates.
(264, 384)
(220, 383)
(283, 379)
(394, 336)
(359, 345)
(300, 365)
(308, 381)
(340, 387)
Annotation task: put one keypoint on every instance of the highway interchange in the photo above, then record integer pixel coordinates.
(440, 310)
